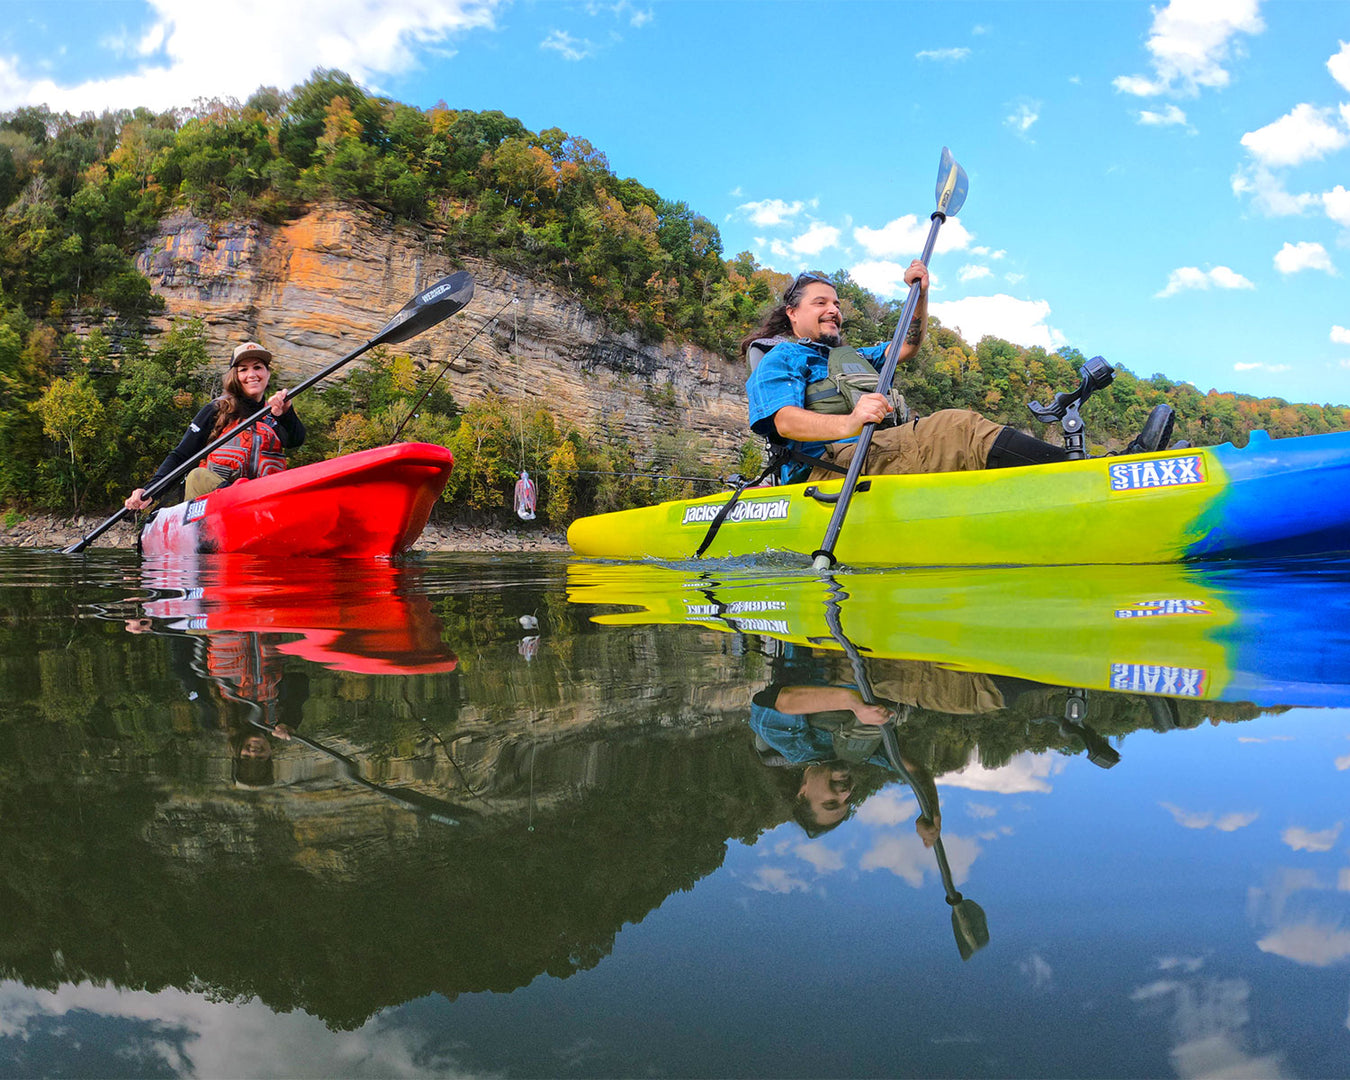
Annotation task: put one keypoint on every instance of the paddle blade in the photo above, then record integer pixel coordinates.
(427, 308)
(951, 185)
(970, 927)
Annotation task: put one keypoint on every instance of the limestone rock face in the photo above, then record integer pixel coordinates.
(316, 288)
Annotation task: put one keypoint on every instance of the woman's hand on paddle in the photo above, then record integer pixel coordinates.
(278, 403)
(137, 500)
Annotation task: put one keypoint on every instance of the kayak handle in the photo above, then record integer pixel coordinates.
(814, 492)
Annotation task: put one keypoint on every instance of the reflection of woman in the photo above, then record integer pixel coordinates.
(256, 451)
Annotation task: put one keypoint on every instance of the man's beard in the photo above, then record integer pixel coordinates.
(831, 338)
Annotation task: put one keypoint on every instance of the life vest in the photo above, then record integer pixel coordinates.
(256, 451)
(849, 378)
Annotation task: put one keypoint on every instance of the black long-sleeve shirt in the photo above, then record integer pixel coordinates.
(288, 426)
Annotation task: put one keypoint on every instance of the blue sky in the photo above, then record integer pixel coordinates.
(1164, 184)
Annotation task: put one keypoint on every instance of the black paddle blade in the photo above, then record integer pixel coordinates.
(951, 185)
(970, 928)
(427, 308)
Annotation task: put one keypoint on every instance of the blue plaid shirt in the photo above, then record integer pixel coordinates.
(781, 379)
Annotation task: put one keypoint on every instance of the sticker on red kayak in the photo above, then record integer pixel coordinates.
(1159, 679)
(195, 509)
(1158, 473)
(750, 510)
(1146, 608)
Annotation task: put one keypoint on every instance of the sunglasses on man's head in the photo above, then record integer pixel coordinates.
(805, 279)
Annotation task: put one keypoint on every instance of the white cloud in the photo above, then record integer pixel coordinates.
(1169, 116)
(357, 37)
(1256, 365)
(770, 211)
(1301, 839)
(1023, 116)
(1337, 205)
(1304, 255)
(1339, 65)
(816, 239)
(883, 277)
(1189, 819)
(1308, 943)
(971, 272)
(905, 236)
(567, 46)
(1268, 193)
(1192, 277)
(220, 1038)
(984, 252)
(959, 53)
(1304, 134)
(1037, 969)
(1189, 44)
(1019, 321)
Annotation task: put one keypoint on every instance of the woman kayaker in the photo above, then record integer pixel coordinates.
(256, 451)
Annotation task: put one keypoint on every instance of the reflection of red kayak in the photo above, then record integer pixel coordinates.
(371, 503)
(353, 616)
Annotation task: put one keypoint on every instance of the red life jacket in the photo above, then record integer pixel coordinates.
(256, 451)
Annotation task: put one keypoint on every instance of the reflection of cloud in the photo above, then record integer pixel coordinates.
(1037, 971)
(1207, 1024)
(776, 879)
(980, 810)
(1308, 943)
(1190, 819)
(904, 855)
(1301, 839)
(821, 856)
(192, 1035)
(893, 806)
(1343, 879)
(1342, 763)
(1025, 772)
(1189, 964)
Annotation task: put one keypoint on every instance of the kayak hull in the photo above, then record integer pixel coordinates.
(1273, 498)
(371, 504)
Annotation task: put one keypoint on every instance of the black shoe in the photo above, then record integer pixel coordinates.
(1157, 431)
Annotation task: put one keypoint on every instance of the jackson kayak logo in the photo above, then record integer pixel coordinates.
(1169, 472)
(1147, 608)
(1159, 679)
(758, 510)
(736, 607)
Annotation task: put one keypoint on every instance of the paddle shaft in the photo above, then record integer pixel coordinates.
(824, 556)
(159, 485)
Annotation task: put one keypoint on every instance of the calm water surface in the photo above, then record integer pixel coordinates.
(535, 817)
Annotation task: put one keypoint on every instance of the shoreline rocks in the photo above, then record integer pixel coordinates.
(46, 531)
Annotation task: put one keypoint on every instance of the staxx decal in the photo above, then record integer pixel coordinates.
(1159, 679)
(736, 607)
(1146, 608)
(756, 510)
(1167, 472)
(760, 626)
(195, 509)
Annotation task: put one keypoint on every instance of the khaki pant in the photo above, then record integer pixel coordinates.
(953, 440)
(199, 482)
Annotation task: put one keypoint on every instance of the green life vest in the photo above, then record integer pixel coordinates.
(849, 378)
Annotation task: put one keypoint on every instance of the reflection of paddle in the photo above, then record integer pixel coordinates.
(423, 805)
(422, 312)
(951, 196)
(968, 921)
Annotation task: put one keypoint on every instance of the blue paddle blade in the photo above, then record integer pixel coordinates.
(951, 185)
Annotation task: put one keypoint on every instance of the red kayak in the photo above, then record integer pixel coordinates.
(373, 503)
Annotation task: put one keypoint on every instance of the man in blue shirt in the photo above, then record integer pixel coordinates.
(792, 406)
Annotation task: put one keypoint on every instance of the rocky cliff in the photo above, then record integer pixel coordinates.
(315, 288)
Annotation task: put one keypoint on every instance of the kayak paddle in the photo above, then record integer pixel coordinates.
(951, 196)
(422, 312)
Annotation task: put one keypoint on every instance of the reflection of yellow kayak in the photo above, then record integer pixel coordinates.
(1273, 498)
(1235, 634)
